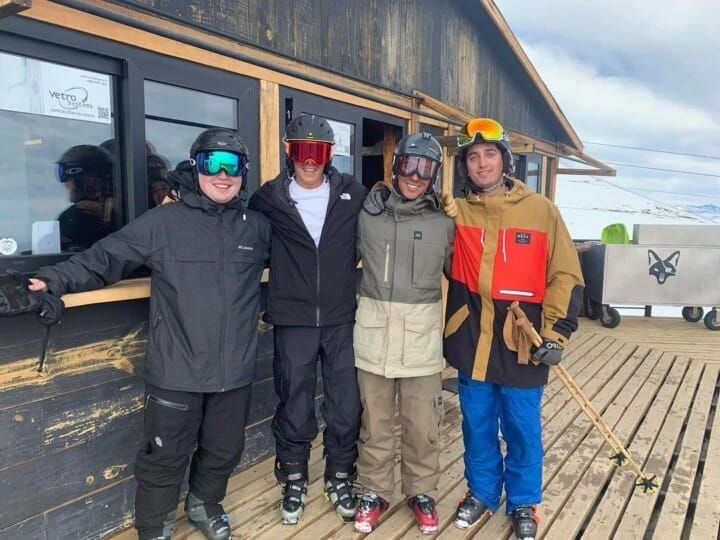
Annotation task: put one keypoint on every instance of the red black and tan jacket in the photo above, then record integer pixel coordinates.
(509, 247)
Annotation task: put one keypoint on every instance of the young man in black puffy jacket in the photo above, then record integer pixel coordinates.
(206, 255)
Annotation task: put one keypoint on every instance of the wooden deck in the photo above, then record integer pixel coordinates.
(655, 381)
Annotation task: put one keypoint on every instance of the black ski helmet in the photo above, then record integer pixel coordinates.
(503, 144)
(309, 127)
(419, 144)
(86, 158)
(219, 139)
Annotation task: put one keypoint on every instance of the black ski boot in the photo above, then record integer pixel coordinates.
(525, 521)
(293, 477)
(168, 527)
(209, 519)
(469, 511)
(339, 491)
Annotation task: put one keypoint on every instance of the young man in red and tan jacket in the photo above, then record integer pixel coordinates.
(510, 244)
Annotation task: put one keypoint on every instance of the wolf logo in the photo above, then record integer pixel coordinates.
(663, 268)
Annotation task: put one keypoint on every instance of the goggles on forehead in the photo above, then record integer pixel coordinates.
(480, 130)
(407, 165)
(317, 151)
(211, 162)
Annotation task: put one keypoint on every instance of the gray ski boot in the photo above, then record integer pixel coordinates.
(209, 519)
(293, 478)
(338, 490)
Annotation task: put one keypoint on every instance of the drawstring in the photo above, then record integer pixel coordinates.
(482, 237)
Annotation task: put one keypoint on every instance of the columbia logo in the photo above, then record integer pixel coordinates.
(246, 248)
(345, 196)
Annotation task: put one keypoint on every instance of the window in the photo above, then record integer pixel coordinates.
(174, 117)
(58, 164)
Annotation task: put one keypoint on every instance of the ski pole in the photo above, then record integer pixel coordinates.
(647, 484)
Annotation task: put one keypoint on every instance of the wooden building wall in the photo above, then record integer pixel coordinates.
(70, 434)
(449, 49)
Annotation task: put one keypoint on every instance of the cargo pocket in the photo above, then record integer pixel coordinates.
(422, 345)
(436, 419)
(427, 264)
(168, 427)
(370, 335)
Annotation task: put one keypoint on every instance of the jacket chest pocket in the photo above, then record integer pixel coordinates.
(520, 266)
(427, 264)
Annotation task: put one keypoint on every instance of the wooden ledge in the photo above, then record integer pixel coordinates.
(128, 289)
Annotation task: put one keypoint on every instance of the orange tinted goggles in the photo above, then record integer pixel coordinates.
(480, 130)
(316, 151)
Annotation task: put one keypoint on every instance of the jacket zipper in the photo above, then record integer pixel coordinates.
(504, 252)
(387, 260)
(223, 322)
(317, 306)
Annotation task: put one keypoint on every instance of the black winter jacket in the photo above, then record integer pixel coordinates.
(309, 285)
(206, 262)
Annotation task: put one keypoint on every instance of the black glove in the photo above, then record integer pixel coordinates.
(16, 299)
(549, 352)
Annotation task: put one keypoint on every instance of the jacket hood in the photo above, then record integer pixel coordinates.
(517, 192)
(400, 206)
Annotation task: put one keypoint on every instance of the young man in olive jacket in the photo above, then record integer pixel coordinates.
(206, 255)
(511, 244)
(404, 241)
(313, 210)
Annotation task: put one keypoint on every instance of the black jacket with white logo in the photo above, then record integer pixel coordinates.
(309, 285)
(206, 261)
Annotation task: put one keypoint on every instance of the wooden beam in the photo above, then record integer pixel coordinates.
(269, 131)
(588, 172)
(13, 7)
(552, 180)
(390, 140)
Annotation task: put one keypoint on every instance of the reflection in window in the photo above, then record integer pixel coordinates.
(532, 172)
(59, 185)
(174, 117)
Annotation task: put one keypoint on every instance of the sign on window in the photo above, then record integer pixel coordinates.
(36, 87)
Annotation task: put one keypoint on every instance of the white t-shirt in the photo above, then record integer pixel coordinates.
(312, 205)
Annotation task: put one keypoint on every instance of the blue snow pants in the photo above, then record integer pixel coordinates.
(516, 411)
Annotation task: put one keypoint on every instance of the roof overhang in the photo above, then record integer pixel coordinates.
(12, 7)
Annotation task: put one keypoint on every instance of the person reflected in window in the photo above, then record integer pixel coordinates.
(86, 171)
(159, 187)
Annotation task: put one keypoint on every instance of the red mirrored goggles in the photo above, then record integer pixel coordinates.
(407, 165)
(303, 151)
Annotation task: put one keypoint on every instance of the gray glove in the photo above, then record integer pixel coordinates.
(549, 352)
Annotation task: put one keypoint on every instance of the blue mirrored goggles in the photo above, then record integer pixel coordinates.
(64, 171)
(211, 162)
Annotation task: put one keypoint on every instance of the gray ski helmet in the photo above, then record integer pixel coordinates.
(219, 139)
(309, 127)
(419, 144)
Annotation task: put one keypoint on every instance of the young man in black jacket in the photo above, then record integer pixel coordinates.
(313, 210)
(206, 255)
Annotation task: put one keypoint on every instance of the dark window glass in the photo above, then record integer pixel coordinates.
(174, 117)
(59, 174)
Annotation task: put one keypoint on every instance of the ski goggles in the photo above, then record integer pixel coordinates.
(407, 165)
(211, 162)
(64, 171)
(316, 151)
(480, 130)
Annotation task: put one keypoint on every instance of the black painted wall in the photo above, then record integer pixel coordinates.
(448, 49)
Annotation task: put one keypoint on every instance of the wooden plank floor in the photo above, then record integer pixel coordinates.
(661, 403)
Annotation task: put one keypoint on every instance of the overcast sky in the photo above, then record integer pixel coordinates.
(643, 73)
